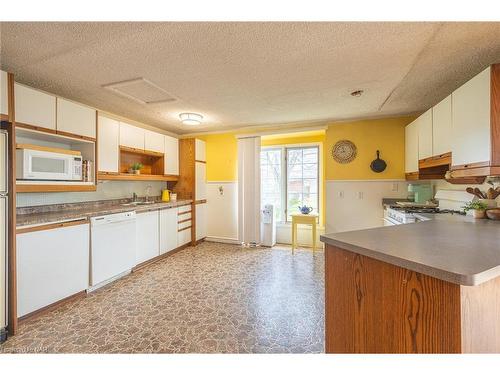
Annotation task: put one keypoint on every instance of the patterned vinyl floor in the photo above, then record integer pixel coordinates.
(213, 298)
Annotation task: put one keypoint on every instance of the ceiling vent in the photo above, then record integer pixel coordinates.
(141, 90)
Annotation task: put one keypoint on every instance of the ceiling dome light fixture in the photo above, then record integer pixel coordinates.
(357, 93)
(191, 118)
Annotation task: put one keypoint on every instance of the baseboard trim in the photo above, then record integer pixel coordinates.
(232, 241)
(160, 257)
(52, 306)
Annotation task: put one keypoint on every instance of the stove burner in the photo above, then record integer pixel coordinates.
(432, 211)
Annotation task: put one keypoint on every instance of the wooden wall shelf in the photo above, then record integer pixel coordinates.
(136, 177)
(153, 162)
(39, 188)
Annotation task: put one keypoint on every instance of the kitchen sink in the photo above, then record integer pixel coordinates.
(137, 203)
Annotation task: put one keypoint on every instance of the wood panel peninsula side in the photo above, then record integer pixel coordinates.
(430, 287)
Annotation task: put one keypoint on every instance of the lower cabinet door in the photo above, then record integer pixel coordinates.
(184, 236)
(51, 265)
(147, 236)
(201, 221)
(168, 230)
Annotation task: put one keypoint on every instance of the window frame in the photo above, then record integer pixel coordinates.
(284, 171)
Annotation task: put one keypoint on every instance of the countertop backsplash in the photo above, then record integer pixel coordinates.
(105, 190)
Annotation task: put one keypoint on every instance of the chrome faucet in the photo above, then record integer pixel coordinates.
(148, 192)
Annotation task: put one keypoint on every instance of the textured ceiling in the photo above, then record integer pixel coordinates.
(242, 74)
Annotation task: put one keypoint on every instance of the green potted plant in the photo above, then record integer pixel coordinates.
(136, 168)
(478, 209)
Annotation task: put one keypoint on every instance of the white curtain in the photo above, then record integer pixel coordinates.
(249, 190)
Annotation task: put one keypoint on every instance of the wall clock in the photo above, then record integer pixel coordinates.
(344, 151)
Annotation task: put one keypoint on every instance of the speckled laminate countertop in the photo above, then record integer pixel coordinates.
(60, 213)
(458, 250)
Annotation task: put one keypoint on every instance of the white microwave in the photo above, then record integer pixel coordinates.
(47, 165)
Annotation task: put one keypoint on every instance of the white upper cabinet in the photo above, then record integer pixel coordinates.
(33, 107)
(131, 136)
(411, 147)
(424, 125)
(200, 150)
(154, 141)
(76, 118)
(171, 155)
(4, 99)
(471, 139)
(441, 127)
(108, 134)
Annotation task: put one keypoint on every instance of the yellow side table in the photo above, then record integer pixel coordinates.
(303, 219)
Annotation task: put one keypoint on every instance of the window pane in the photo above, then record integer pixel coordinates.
(310, 155)
(271, 180)
(302, 179)
(294, 156)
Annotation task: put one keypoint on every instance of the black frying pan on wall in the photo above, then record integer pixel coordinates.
(378, 165)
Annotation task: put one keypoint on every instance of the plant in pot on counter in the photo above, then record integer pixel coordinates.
(478, 209)
(136, 168)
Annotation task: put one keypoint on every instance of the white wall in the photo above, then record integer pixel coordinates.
(352, 205)
(222, 211)
(105, 190)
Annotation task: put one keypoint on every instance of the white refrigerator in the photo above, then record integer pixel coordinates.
(3, 233)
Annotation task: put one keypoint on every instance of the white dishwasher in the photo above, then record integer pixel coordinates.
(112, 247)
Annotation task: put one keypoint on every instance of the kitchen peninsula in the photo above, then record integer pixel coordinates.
(429, 287)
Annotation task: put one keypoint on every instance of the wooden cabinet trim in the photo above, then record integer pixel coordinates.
(471, 165)
(201, 201)
(184, 212)
(434, 161)
(495, 114)
(183, 229)
(48, 149)
(412, 176)
(141, 151)
(134, 177)
(39, 188)
(56, 132)
(183, 221)
(39, 228)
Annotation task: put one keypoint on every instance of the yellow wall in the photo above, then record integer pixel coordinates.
(222, 157)
(386, 135)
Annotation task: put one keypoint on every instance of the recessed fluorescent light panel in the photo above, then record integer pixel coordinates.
(141, 90)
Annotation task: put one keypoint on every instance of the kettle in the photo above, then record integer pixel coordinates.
(165, 195)
(305, 210)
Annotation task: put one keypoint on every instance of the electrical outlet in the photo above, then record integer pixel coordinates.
(394, 186)
(341, 194)
(360, 195)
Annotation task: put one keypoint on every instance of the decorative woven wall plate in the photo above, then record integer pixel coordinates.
(344, 151)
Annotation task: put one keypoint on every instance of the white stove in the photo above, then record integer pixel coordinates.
(450, 202)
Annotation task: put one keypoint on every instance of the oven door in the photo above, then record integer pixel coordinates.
(388, 222)
(44, 165)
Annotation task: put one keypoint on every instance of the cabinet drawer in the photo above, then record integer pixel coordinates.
(183, 209)
(184, 216)
(184, 225)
